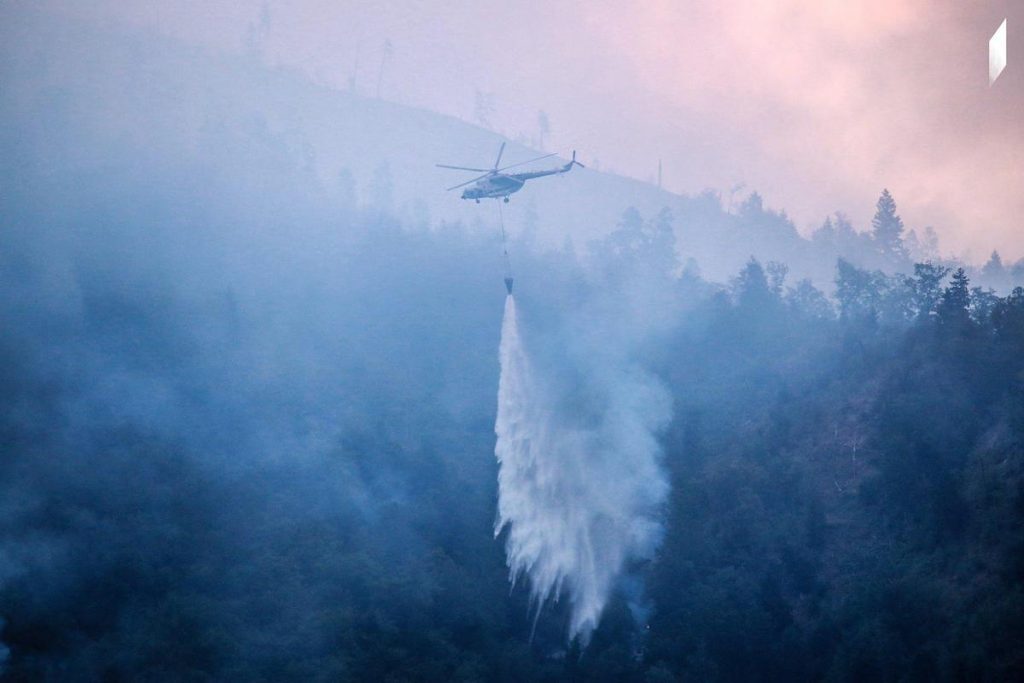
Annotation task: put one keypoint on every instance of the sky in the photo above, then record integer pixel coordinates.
(816, 105)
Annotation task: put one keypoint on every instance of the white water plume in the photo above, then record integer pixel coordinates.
(579, 495)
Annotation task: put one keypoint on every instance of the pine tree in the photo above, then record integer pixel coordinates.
(887, 228)
(953, 309)
(994, 270)
(544, 127)
(826, 234)
(753, 206)
(387, 50)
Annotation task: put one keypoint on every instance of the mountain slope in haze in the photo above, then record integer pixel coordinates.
(162, 100)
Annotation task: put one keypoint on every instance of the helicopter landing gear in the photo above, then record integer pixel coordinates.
(506, 200)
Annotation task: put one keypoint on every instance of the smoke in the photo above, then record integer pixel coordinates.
(579, 481)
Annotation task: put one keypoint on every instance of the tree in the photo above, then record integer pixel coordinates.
(777, 273)
(354, 78)
(838, 236)
(752, 206)
(809, 301)
(662, 249)
(751, 286)
(956, 300)
(543, 127)
(994, 266)
(994, 273)
(256, 36)
(926, 287)
(983, 302)
(1008, 316)
(924, 248)
(887, 229)
(826, 233)
(637, 243)
(628, 236)
(385, 55)
(483, 108)
(857, 291)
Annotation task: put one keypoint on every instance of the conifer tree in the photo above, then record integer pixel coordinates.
(994, 272)
(751, 286)
(887, 228)
(956, 299)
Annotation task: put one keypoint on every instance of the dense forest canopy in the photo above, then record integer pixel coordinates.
(247, 427)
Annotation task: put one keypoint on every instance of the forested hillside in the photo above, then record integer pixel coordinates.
(247, 412)
(252, 480)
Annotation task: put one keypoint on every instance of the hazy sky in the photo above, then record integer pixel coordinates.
(817, 105)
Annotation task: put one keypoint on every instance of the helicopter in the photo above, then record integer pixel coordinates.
(494, 183)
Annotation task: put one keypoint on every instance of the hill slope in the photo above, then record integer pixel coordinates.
(145, 95)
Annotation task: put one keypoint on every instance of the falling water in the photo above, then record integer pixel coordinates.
(579, 502)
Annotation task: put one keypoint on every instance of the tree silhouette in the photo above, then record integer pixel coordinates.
(543, 127)
(956, 299)
(887, 229)
(751, 287)
(483, 108)
(857, 291)
(387, 50)
(926, 286)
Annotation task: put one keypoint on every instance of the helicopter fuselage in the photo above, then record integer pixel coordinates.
(495, 186)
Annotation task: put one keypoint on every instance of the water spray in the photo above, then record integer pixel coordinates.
(579, 493)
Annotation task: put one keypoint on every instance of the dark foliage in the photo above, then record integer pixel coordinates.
(847, 492)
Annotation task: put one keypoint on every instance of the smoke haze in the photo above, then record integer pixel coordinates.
(250, 349)
(815, 105)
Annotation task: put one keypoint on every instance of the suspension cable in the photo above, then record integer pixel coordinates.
(504, 247)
